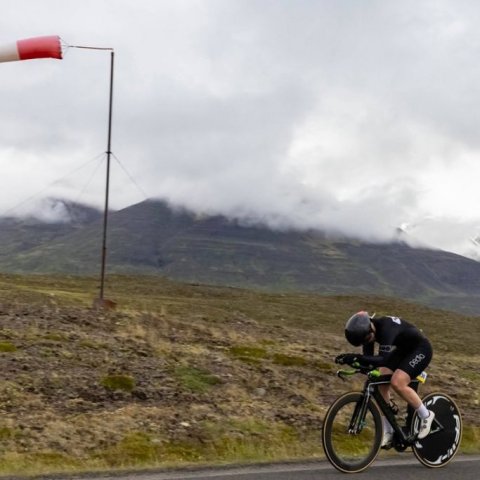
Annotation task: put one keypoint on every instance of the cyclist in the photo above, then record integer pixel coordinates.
(403, 352)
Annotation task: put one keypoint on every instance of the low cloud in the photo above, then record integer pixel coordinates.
(354, 118)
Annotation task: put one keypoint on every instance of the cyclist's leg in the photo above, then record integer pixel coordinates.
(401, 384)
(410, 409)
(391, 364)
(385, 389)
(385, 392)
(409, 367)
(412, 365)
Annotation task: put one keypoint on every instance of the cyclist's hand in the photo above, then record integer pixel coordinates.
(347, 358)
(339, 358)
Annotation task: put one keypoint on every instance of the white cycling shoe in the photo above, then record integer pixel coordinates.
(387, 440)
(425, 426)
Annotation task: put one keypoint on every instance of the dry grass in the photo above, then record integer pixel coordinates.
(220, 374)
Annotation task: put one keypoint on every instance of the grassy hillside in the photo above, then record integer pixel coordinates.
(184, 373)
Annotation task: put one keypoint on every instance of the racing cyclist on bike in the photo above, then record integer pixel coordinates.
(403, 352)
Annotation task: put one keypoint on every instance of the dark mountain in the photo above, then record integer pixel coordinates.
(152, 238)
(59, 218)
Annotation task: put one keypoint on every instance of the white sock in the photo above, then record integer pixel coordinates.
(423, 411)
(387, 428)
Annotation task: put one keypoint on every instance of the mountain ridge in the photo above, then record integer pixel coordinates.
(153, 238)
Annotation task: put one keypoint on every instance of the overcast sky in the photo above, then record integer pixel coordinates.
(354, 116)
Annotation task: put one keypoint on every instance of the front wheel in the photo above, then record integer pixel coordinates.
(352, 437)
(440, 446)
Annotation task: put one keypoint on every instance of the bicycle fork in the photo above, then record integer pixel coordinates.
(359, 414)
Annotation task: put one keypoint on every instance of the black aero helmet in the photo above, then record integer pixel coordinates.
(357, 328)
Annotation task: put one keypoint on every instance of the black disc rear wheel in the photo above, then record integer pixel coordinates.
(440, 446)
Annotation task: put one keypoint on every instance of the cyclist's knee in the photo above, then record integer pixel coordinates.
(400, 381)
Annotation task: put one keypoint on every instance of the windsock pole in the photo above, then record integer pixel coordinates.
(107, 185)
(101, 301)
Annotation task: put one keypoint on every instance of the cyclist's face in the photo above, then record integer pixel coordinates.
(370, 337)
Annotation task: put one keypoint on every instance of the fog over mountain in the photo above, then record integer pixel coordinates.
(454, 236)
(154, 238)
(352, 117)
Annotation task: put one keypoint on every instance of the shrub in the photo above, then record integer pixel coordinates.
(7, 347)
(125, 383)
(248, 354)
(195, 379)
(289, 360)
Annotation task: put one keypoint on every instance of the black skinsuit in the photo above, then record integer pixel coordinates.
(402, 346)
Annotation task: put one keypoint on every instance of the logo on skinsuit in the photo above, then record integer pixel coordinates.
(415, 361)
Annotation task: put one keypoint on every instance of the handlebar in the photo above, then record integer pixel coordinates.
(357, 368)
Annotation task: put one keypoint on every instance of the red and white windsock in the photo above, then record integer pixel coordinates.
(30, 48)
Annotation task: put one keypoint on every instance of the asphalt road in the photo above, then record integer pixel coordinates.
(462, 468)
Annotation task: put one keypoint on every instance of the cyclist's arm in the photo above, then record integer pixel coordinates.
(368, 357)
(369, 349)
(373, 360)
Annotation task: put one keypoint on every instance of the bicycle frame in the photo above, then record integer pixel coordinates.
(371, 391)
(404, 438)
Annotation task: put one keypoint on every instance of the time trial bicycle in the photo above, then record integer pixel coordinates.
(352, 430)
